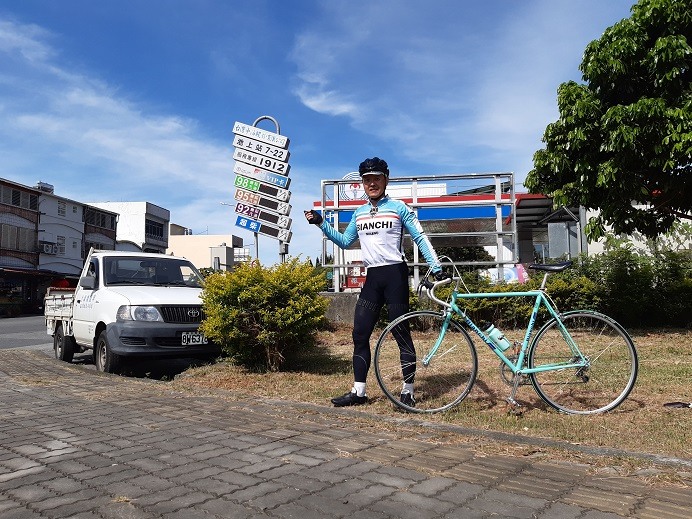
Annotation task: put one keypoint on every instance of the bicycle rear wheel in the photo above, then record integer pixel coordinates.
(400, 355)
(596, 388)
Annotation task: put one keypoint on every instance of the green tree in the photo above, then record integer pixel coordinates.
(455, 254)
(623, 141)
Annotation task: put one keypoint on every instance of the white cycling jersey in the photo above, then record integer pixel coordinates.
(380, 229)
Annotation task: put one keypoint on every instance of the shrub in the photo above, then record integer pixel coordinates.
(261, 315)
(672, 295)
(640, 289)
(636, 288)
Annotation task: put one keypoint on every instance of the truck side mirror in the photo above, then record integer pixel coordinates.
(88, 283)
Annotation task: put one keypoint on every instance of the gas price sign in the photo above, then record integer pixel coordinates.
(261, 181)
(273, 179)
(259, 187)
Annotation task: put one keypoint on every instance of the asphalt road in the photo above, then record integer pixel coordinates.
(29, 333)
(26, 332)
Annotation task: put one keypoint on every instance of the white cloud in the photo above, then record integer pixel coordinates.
(24, 40)
(330, 102)
(447, 85)
(102, 144)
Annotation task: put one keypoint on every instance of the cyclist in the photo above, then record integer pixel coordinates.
(379, 225)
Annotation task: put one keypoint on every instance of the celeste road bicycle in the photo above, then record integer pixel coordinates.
(579, 362)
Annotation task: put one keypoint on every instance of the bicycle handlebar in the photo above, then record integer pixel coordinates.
(431, 286)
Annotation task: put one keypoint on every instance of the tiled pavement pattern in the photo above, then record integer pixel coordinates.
(79, 444)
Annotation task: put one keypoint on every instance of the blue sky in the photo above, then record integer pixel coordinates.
(135, 100)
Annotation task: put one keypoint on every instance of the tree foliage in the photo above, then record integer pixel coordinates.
(623, 141)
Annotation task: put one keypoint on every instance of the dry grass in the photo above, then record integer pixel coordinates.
(640, 424)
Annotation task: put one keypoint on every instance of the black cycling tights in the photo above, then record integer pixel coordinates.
(387, 284)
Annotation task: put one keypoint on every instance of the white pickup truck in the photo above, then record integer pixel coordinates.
(129, 304)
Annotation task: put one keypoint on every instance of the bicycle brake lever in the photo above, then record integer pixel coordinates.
(423, 285)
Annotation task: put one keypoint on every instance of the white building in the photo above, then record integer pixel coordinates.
(60, 232)
(67, 229)
(141, 225)
(203, 250)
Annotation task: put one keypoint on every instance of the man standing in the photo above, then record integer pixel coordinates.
(379, 225)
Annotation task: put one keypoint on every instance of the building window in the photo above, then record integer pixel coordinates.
(153, 229)
(18, 198)
(17, 238)
(99, 219)
(61, 245)
(9, 237)
(61, 208)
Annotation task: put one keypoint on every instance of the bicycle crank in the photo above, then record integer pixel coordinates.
(508, 377)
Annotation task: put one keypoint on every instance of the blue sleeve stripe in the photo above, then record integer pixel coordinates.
(345, 239)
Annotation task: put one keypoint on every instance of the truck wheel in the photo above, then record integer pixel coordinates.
(64, 346)
(105, 359)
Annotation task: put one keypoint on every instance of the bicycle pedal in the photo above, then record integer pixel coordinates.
(515, 408)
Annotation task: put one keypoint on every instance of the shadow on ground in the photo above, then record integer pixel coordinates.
(155, 369)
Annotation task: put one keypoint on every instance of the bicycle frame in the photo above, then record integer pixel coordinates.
(579, 361)
(517, 368)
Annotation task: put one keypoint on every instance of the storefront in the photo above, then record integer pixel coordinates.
(22, 290)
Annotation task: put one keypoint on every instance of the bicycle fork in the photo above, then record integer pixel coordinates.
(445, 324)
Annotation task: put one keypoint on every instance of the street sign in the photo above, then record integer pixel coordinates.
(261, 135)
(248, 197)
(248, 144)
(261, 228)
(265, 176)
(261, 181)
(261, 161)
(251, 184)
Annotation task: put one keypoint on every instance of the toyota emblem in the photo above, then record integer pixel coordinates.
(193, 313)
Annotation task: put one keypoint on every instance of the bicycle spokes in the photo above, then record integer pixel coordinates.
(413, 349)
(596, 379)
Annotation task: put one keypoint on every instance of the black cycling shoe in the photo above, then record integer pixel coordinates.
(407, 399)
(350, 398)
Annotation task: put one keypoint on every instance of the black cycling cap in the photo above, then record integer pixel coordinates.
(373, 165)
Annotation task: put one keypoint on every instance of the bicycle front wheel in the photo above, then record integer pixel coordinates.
(607, 378)
(406, 352)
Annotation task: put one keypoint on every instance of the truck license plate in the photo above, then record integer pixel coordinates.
(190, 338)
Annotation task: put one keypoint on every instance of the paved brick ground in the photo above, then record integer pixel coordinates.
(80, 444)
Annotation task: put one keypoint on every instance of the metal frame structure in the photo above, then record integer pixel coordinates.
(501, 185)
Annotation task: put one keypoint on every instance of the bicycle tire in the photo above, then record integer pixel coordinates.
(604, 384)
(441, 384)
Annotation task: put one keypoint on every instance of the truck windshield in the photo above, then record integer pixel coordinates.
(164, 271)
